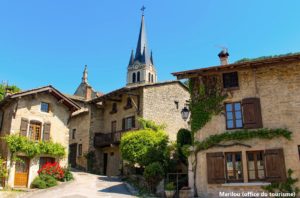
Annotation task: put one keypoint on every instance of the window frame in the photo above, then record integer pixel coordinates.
(233, 87)
(132, 125)
(48, 107)
(35, 123)
(234, 168)
(47, 160)
(255, 165)
(113, 127)
(74, 134)
(233, 115)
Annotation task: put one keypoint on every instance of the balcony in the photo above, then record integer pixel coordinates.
(106, 139)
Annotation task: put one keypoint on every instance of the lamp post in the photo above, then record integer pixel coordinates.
(185, 113)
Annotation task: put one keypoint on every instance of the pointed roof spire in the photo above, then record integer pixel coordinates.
(131, 60)
(151, 58)
(142, 45)
(85, 75)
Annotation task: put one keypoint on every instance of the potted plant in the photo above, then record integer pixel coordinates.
(170, 190)
(186, 192)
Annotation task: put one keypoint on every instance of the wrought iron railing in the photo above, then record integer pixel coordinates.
(107, 139)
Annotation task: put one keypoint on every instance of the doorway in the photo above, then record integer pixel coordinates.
(21, 172)
(105, 155)
(73, 155)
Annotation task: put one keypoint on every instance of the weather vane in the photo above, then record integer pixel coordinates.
(143, 9)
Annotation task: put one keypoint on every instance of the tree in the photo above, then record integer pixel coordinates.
(145, 146)
(8, 88)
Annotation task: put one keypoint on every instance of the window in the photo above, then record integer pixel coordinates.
(176, 104)
(133, 78)
(113, 126)
(79, 149)
(256, 165)
(114, 108)
(233, 115)
(230, 80)
(44, 160)
(35, 130)
(234, 167)
(128, 103)
(149, 77)
(73, 134)
(152, 78)
(45, 107)
(138, 77)
(128, 123)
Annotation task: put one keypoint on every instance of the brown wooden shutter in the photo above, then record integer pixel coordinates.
(252, 113)
(24, 126)
(133, 121)
(46, 134)
(275, 165)
(215, 168)
(123, 124)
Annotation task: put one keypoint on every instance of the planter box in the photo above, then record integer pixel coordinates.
(186, 193)
(170, 193)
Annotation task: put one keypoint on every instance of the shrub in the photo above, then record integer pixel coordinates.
(3, 170)
(144, 146)
(68, 174)
(170, 186)
(43, 181)
(52, 169)
(153, 173)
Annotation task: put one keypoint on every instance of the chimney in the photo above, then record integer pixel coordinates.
(223, 55)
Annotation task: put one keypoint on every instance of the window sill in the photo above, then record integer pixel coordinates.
(247, 184)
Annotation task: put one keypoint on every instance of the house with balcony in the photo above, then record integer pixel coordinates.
(41, 115)
(260, 93)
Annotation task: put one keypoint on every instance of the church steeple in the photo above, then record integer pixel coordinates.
(141, 68)
(85, 75)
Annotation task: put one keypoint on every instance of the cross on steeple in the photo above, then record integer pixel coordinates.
(143, 9)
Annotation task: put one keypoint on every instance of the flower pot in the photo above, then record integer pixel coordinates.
(170, 193)
(186, 193)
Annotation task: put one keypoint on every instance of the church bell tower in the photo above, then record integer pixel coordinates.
(141, 68)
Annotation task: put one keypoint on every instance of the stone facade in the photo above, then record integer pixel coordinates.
(160, 102)
(29, 107)
(277, 85)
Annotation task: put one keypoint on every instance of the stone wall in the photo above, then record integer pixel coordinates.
(159, 106)
(278, 88)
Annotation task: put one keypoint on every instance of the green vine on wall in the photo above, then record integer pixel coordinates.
(22, 144)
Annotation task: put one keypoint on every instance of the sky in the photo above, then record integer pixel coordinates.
(50, 41)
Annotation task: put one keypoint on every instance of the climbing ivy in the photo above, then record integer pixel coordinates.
(22, 144)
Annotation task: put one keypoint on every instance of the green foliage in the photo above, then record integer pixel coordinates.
(43, 181)
(264, 57)
(170, 186)
(149, 124)
(90, 157)
(68, 176)
(242, 135)
(18, 143)
(3, 169)
(11, 89)
(154, 173)
(184, 138)
(284, 187)
(144, 146)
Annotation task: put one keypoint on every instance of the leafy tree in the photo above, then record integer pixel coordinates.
(10, 88)
(184, 139)
(153, 174)
(150, 144)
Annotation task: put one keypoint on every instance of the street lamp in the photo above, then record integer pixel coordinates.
(185, 113)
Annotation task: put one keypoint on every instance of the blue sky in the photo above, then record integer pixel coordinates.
(50, 41)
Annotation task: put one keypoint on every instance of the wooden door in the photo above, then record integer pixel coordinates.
(73, 155)
(22, 172)
(105, 156)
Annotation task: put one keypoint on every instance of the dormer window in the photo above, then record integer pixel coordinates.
(45, 107)
(230, 80)
(114, 108)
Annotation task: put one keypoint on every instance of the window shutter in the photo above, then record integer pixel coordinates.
(123, 124)
(215, 168)
(46, 135)
(275, 166)
(133, 121)
(252, 113)
(23, 127)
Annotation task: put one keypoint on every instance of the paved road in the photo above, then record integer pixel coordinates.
(85, 186)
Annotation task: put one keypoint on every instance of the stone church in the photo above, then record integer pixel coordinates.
(96, 129)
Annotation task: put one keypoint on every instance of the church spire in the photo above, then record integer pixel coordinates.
(131, 60)
(141, 53)
(85, 75)
(151, 58)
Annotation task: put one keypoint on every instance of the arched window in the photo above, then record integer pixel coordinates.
(133, 77)
(152, 78)
(149, 77)
(138, 77)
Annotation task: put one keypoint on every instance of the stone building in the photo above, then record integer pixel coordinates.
(263, 93)
(40, 114)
